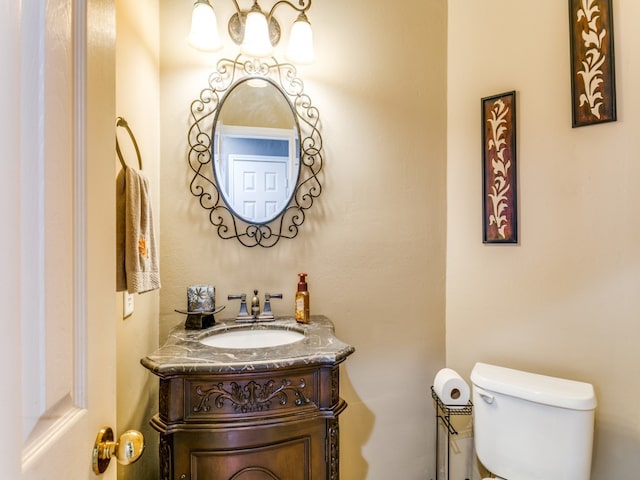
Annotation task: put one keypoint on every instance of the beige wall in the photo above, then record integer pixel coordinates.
(374, 246)
(562, 302)
(565, 301)
(137, 94)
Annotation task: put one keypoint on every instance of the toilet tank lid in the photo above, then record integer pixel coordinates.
(554, 391)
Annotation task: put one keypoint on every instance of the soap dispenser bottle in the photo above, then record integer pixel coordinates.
(302, 300)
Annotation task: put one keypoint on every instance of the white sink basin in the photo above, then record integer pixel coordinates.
(260, 338)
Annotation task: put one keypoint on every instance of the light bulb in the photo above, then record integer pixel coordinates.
(256, 41)
(300, 47)
(204, 28)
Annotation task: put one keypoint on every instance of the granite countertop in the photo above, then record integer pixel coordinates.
(183, 353)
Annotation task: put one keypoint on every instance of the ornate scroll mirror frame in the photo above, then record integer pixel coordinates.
(204, 113)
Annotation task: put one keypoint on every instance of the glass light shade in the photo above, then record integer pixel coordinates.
(256, 41)
(204, 28)
(300, 47)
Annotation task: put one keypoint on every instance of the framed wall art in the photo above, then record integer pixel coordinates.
(499, 196)
(593, 86)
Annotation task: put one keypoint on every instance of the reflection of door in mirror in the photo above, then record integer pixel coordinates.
(259, 186)
(254, 170)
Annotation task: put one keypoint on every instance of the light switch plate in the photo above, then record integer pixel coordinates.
(127, 304)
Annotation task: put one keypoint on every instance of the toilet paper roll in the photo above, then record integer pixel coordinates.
(451, 388)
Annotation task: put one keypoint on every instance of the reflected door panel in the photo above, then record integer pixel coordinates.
(259, 186)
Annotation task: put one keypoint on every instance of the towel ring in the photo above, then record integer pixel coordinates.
(121, 122)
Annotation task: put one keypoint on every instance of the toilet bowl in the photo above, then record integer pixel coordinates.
(532, 427)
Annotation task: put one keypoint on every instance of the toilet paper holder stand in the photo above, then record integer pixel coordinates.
(444, 411)
(443, 414)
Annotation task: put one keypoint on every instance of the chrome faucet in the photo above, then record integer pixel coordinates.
(255, 316)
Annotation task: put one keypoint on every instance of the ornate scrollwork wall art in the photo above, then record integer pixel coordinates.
(593, 82)
(499, 169)
(227, 218)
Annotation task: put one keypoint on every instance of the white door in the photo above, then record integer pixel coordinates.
(57, 208)
(259, 188)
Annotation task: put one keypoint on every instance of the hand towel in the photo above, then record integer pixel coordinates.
(137, 254)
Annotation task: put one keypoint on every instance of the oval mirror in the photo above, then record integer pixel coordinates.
(256, 150)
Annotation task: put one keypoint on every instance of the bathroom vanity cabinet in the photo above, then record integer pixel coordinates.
(250, 414)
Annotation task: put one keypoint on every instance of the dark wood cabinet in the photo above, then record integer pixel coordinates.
(275, 423)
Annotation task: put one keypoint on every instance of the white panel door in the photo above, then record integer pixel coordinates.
(62, 237)
(259, 186)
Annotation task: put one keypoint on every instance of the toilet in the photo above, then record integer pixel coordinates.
(532, 427)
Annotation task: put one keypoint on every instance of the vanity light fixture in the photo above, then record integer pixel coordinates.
(204, 28)
(256, 32)
(256, 41)
(300, 47)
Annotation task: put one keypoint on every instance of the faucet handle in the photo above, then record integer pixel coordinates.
(243, 314)
(267, 314)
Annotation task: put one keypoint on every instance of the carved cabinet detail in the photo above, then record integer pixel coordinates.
(271, 425)
(269, 414)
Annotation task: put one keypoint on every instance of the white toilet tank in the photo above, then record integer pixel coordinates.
(532, 427)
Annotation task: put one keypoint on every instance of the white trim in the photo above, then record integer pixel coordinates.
(32, 216)
(66, 416)
(80, 202)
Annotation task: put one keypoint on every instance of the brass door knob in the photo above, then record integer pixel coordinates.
(127, 449)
